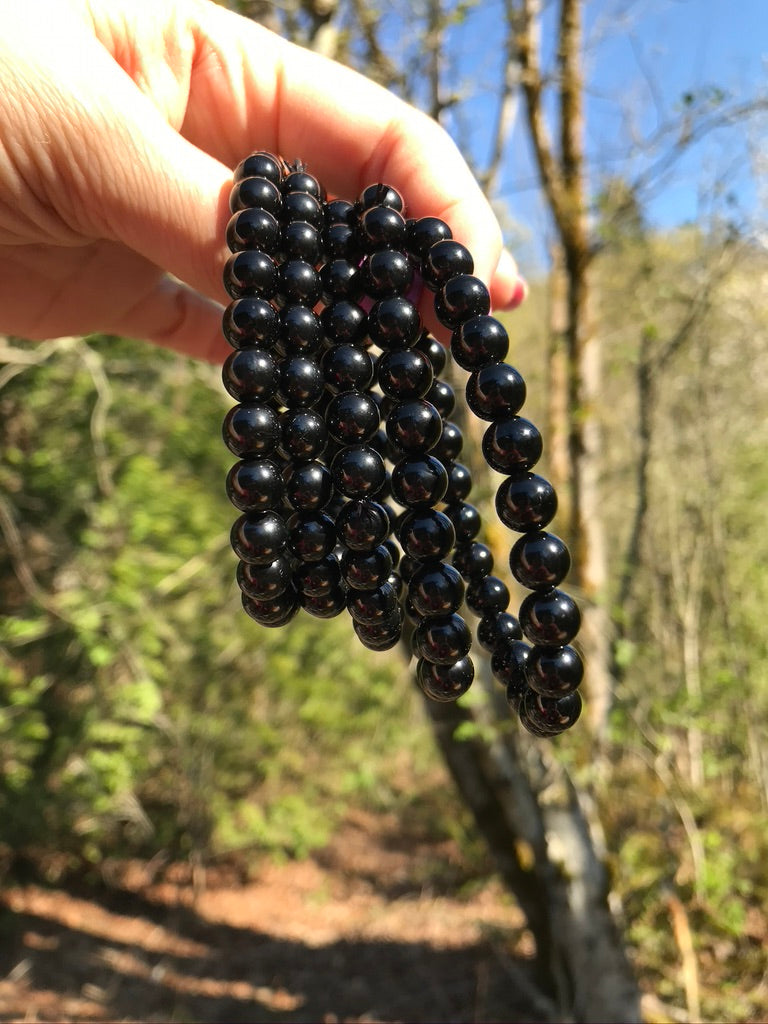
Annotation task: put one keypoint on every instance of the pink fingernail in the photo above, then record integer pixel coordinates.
(521, 290)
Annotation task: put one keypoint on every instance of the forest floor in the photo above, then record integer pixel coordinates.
(378, 926)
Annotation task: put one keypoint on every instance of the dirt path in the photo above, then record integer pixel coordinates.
(371, 929)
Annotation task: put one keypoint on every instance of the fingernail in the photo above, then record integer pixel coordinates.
(518, 294)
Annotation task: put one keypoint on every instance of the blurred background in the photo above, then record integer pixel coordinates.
(150, 732)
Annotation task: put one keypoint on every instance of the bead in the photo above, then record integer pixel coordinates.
(311, 535)
(466, 521)
(424, 232)
(512, 444)
(425, 534)
(255, 486)
(419, 480)
(434, 351)
(394, 323)
(250, 374)
(352, 418)
(251, 321)
(478, 342)
(272, 611)
(340, 211)
(347, 368)
(358, 471)
(327, 605)
(251, 429)
(362, 524)
(545, 716)
(366, 570)
(508, 665)
(382, 227)
(487, 595)
(340, 279)
(315, 579)
(259, 538)
(459, 483)
(550, 618)
(444, 260)
(473, 560)
(539, 560)
(442, 639)
(297, 281)
(301, 206)
(436, 589)
(341, 242)
(301, 181)
(445, 682)
(370, 607)
(460, 299)
(256, 192)
(495, 392)
(553, 671)
(496, 629)
(386, 272)
(376, 637)
(308, 486)
(300, 330)
(251, 272)
(380, 195)
(300, 240)
(344, 322)
(301, 382)
(404, 374)
(260, 165)
(304, 434)
(451, 441)
(525, 502)
(264, 581)
(253, 229)
(414, 426)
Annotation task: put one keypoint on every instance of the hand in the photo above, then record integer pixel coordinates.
(120, 121)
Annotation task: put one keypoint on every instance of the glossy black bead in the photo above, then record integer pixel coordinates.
(419, 480)
(260, 165)
(496, 629)
(303, 434)
(460, 299)
(250, 272)
(495, 392)
(378, 637)
(466, 521)
(511, 444)
(550, 618)
(394, 323)
(423, 233)
(340, 279)
(545, 716)
(539, 561)
(347, 368)
(414, 427)
(311, 535)
(436, 589)
(327, 605)
(386, 272)
(250, 374)
(554, 671)
(526, 502)
(259, 537)
(255, 485)
(408, 567)
(358, 471)
(272, 611)
(508, 664)
(442, 639)
(301, 206)
(341, 242)
(479, 341)
(448, 447)
(340, 211)
(265, 581)
(344, 322)
(300, 330)
(297, 281)
(378, 194)
(459, 482)
(425, 535)
(404, 374)
(382, 227)
(318, 578)
(352, 418)
(444, 260)
(308, 486)
(251, 429)
(487, 596)
(370, 607)
(302, 181)
(445, 682)
(253, 229)
(473, 560)
(251, 321)
(442, 396)
(366, 570)
(302, 241)
(362, 524)
(434, 351)
(301, 382)
(256, 192)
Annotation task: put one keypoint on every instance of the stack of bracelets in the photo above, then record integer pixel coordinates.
(335, 379)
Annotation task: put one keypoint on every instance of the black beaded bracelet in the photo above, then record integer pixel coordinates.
(335, 380)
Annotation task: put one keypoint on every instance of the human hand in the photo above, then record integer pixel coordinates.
(120, 121)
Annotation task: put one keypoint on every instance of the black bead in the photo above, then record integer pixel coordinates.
(379, 194)
(460, 299)
(539, 560)
(340, 279)
(301, 206)
(362, 524)
(251, 429)
(487, 596)
(423, 233)
(344, 322)
(386, 272)
(419, 480)
(444, 260)
(327, 605)
(256, 192)
(442, 396)
(259, 538)
(272, 611)
(347, 368)
(434, 351)
(451, 441)
(297, 281)
(251, 321)
(340, 211)
(253, 229)
(250, 272)
(366, 570)
(370, 607)
(445, 682)
(550, 618)
(352, 418)
(425, 534)
(265, 581)
(466, 521)
(382, 227)
(442, 639)
(341, 242)
(378, 637)
(311, 535)
(394, 323)
(459, 482)
(508, 664)
(304, 434)
(479, 341)
(250, 374)
(512, 444)
(436, 589)
(553, 671)
(255, 485)
(301, 382)
(308, 486)
(404, 374)
(300, 330)
(545, 716)
(414, 427)
(526, 502)
(300, 240)
(495, 392)
(358, 471)
(260, 165)
(301, 181)
(473, 560)
(496, 629)
(318, 578)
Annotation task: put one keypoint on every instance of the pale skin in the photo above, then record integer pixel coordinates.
(120, 123)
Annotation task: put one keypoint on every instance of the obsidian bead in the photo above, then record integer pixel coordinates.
(495, 392)
(358, 471)
(255, 485)
(378, 637)
(260, 165)
(370, 607)
(512, 444)
(253, 229)
(251, 429)
(340, 279)
(300, 180)
(459, 482)
(250, 272)
(301, 241)
(442, 639)
(539, 561)
(526, 502)
(259, 537)
(308, 486)
(311, 535)
(496, 629)
(466, 521)
(300, 330)
(473, 560)
(404, 374)
(408, 567)
(413, 427)
(394, 323)
(347, 368)
(352, 418)
(545, 716)
(419, 480)
(250, 374)
(451, 441)
(460, 299)
(304, 434)
(327, 605)
(553, 671)
(256, 192)
(297, 281)
(251, 321)
(363, 524)
(487, 596)
(382, 227)
(550, 618)
(445, 682)
(344, 322)
(301, 206)
(434, 351)
(442, 396)
(272, 611)
(340, 211)
(444, 260)
(318, 578)
(366, 570)
(378, 194)
(423, 233)
(436, 589)
(425, 534)
(386, 272)
(301, 382)
(479, 341)
(508, 660)
(265, 581)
